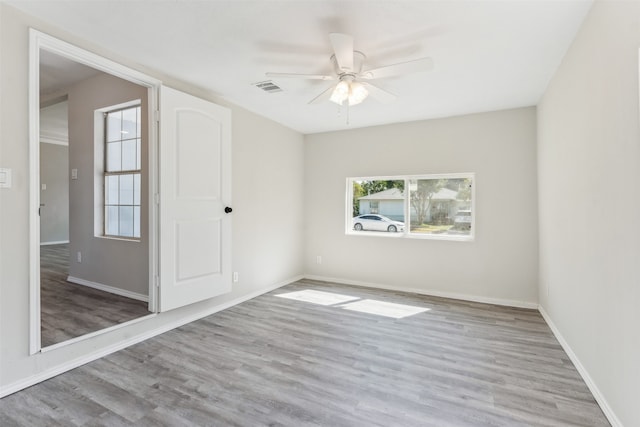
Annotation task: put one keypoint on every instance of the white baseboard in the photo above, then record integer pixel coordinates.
(604, 405)
(434, 293)
(107, 288)
(82, 360)
(58, 242)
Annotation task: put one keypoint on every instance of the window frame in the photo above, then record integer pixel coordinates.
(406, 233)
(103, 173)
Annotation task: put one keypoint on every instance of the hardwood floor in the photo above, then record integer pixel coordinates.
(68, 310)
(285, 361)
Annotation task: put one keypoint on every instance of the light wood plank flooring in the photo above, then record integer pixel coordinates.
(68, 310)
(275, 361)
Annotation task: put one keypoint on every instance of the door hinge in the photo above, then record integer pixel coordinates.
(156, 281)
(156, 115)
(156, 198)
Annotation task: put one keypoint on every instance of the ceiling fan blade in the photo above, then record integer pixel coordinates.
(301, 76)
(343, 48)
(417, 65)
(324, 96)
(379, 94)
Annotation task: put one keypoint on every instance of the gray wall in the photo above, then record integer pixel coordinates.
(266, 157)
(112, 262)
(589, 170)
(54, 173)
(499, 266)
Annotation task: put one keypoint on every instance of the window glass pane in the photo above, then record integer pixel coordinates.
(114, 123)
(440, 206)
(126, 189)
(129, 155)
(136, 189)
(114, 157)
(129, 123)
(385, 199)
(111, 189)
(111, 220)
(136, 221)
(126, 221)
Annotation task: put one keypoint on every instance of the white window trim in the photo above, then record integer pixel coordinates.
(348, 220)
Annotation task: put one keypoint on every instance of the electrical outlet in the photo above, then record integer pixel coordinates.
(235, 277)
(79, 256)
(318, 259)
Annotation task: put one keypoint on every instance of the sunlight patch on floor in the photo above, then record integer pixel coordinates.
(382, 308)
(318, 297)
(369, 306)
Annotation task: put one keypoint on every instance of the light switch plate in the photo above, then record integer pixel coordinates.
(5, 178)
(74, 173)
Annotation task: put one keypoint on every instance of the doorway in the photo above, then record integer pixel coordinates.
(86, 278)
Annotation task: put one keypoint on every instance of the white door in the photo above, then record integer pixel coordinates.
(195, 189)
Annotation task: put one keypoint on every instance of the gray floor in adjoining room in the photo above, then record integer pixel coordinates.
(68, 310)
(328, 355)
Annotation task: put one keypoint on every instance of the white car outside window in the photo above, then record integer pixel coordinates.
(371, 222)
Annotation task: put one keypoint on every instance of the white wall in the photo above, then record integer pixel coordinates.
(267, 166)
(589, 196)
(500, 265)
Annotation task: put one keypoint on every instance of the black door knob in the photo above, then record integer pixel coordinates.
(228, 210)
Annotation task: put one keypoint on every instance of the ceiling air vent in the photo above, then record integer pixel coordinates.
(268, 86)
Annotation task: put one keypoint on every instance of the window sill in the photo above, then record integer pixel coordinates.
(121, 239)
(414, 236)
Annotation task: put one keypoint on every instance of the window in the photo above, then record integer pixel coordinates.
(425, 206)
(122, 172)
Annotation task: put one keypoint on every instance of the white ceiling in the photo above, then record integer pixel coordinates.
(57, 73)
(489, 55)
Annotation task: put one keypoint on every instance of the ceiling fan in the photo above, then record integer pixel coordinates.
(353, 86)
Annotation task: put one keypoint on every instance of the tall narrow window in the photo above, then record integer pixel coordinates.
(122, 171)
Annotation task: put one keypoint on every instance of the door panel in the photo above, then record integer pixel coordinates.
(195, 261)
(195, 187)
(198, 148)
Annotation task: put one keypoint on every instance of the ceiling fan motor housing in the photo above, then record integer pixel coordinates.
(358, 61)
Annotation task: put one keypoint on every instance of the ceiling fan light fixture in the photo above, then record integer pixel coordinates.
(349, 90)
(357, 93)
(340, 93)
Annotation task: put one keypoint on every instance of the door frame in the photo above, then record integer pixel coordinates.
(37, 41)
